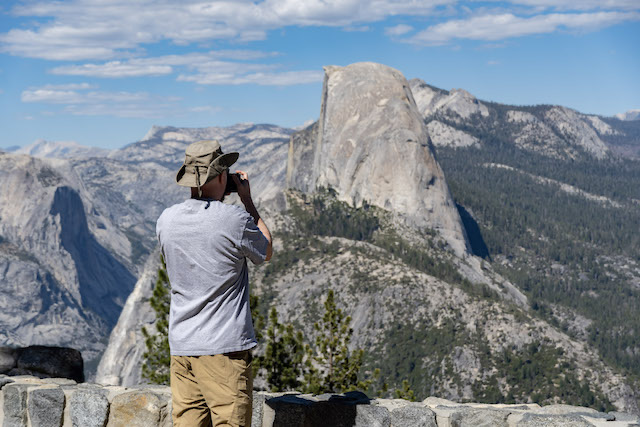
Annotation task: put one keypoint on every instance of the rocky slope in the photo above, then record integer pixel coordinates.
(445, 320)
(60, 150)
(61, 284)
(552, 131)
(75, 233)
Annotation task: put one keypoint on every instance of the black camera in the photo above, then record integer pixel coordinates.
(231, 183)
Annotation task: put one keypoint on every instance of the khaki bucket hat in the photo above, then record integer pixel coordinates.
(203, 161)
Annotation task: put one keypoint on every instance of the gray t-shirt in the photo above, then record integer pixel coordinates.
(206, 253)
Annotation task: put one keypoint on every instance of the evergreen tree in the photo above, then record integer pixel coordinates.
(283, 356)
(330, 367)
(156, 359)
(405, 392)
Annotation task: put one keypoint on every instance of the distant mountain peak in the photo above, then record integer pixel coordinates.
(629, 115)
(60, 150)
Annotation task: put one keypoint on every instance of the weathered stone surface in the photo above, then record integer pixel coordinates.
(541, 420)
(479, 417)
(413, 416)
(8, 359)
(15, 405)
(46, 361)
(89, 408)
(622, 416)
(372, 145)
(561, 409)
(4, 381)
(136, 409)
(46, 407)
(372, 416)
(257, 409)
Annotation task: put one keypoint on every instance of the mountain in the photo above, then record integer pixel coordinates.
(63, 283)
(60, 149)
(629, 115)
(365, 156)
(534, 304)
(485, 252)
(75, 233)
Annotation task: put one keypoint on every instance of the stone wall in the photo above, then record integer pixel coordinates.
(53, 402)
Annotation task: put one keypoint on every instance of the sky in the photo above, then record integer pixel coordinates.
(102, 72)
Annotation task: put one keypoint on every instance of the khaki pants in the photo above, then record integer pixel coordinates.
(212, 390)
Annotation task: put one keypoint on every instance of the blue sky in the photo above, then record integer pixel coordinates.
(102, 72)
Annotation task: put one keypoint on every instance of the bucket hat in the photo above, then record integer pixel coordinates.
(203, 161)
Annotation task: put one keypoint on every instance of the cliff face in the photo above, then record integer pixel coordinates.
(60, 285)
(370, 144)
(120, 363)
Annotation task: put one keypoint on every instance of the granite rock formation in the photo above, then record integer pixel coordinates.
(370, 144)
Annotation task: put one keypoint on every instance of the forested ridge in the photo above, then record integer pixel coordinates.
(561, 248)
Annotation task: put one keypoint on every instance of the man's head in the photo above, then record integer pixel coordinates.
(204, 160)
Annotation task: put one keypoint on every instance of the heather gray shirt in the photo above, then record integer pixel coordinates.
(206, 253)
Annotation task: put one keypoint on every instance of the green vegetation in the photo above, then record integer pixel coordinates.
(560, 248)
(322, 214)
(330, 366)
(157, 358)
(538, 372)
(282, 358)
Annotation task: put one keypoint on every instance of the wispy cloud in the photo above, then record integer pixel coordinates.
(202, 68)
(398, 30)
(285, 78)
(114, 69)
(504, 26)
(579, 5)
(206, 109)
(77, 99)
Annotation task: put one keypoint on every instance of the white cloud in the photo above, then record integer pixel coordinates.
(579, 5)
(114, 69)
(498, 27)
(398, 30)
(357, 29)
(78, 100)
(103, 30)
(285, 78)
(202, 68)
(206, 109)
(163, 65)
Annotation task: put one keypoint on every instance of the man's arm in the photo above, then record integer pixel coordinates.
(244, 192)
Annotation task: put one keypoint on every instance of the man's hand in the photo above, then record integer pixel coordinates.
(244, 192)
(242, 183)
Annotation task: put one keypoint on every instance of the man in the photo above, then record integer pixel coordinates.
(206, 244)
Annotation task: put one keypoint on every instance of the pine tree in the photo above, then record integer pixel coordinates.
(283, 356)
(405, 392)
(330, 367)
(156, 359)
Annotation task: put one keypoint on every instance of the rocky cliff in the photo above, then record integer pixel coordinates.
(550, 130)
(61, 285)
(370, 145)
(75, 233)
(120, 364)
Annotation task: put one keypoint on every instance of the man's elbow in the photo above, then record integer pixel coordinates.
(269, 253)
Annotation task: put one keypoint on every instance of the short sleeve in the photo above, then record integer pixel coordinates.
(254, 244)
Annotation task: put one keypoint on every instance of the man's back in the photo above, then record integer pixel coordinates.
(206, 244)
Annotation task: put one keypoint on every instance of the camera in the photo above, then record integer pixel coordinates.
(231, 183)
